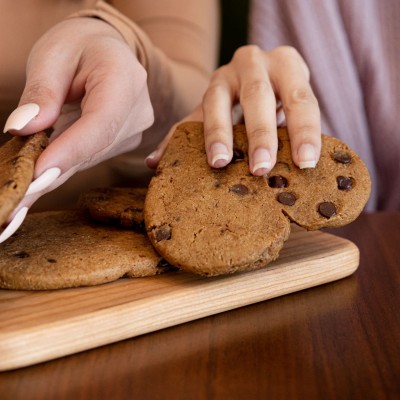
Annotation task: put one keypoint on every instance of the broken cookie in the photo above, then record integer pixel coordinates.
(17, 162)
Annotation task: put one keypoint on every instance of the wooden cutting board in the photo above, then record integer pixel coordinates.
(43, 325)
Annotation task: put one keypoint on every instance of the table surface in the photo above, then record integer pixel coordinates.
(336, 341)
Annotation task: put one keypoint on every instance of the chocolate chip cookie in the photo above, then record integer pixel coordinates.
(17, 161)
(60, 249)
(218, 221)
(115, 206)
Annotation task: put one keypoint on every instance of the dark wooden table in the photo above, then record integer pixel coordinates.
(336, 341)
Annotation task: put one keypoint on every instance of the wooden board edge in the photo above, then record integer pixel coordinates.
(128, 320)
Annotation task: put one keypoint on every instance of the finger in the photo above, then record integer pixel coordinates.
(49, 76)
(290, 77)
(109, 104)
(48, 181)
(44, 181)
(217, 115)
(154, 157)
(258, 101)
(15, 223)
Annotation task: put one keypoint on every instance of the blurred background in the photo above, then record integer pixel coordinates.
(234, 14)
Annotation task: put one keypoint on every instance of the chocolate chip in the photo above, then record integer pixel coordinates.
(238, 155)
(344, 183)
(163, 232)
(51, 260)
(165, 265)
(287, 198)
(21, 254)
(175, 163)
(327, 209)
(342, 157)
(14, 160)
(11, 184)
(239, 189)
(217, 183)
(277, 182)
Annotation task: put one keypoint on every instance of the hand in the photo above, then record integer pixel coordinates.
(266, 85)
(83, 79)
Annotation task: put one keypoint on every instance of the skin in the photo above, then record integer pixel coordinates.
(93, 90)
(255, 79)
(88, 84)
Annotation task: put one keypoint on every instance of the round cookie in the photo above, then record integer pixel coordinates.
(115, 206)
(60, 249)
(331, 195)
(17, 162)
(218, 221)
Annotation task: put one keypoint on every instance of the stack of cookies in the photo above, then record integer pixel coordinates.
(192, 217)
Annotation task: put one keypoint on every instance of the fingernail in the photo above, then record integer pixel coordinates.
(261, 161)
(14, 224)
(219, 155)
(43, 181)
(21, 116)
(150, 159)
(307, 156)
(152, 155)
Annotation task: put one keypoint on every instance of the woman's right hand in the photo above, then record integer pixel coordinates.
(265, 84)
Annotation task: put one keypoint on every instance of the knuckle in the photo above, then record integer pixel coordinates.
(249, 51)
(38, 90)
(255, 88)
(290, 55)
(300, 96)
(259, 132)
(219, 73)
(213, 91)
(286, 52)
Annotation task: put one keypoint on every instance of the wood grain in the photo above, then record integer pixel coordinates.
(39, 326)
(334, 341)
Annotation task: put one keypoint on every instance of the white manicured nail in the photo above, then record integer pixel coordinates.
(151, 156)
(307, 164)
(43, 181)
(307, 156)
(262, 160)
(219, 152)
(218, 157)
(21, 116)
(14, 224)
(149, 161)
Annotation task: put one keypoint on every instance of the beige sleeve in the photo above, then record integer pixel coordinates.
(177, 43)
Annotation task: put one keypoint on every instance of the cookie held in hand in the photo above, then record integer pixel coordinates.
(17, 162)
(60, 249)
(115, 206)
(218, 221)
